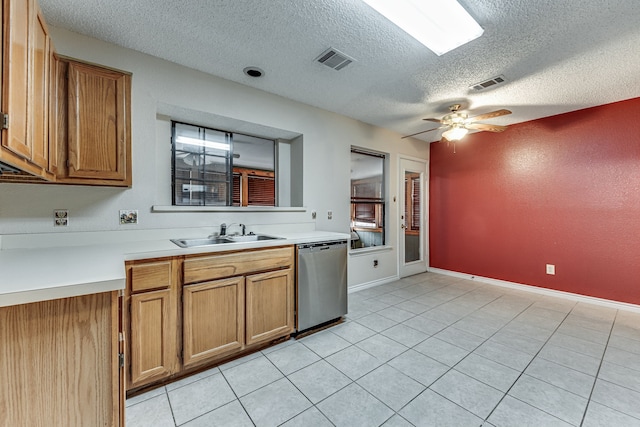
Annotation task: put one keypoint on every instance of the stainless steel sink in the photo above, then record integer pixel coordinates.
(249, 238)
(190, 243)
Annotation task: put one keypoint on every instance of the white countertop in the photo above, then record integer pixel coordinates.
(38, 274)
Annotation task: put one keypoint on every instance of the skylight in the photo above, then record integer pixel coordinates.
(440, 25)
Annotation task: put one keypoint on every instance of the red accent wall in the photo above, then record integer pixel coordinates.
(561, 190)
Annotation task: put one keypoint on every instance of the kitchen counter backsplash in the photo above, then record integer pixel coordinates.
(83, 238)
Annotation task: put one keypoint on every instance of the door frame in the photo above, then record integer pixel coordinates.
(420, 266)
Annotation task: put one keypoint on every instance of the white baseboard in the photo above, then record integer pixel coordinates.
(367, 285)
(543, 291)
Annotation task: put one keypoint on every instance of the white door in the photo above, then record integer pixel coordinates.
(412, 211)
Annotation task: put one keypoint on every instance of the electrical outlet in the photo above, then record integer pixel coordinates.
(375, 263)
(60, 218)
(551, 269)
(329, 214)
(128, 216)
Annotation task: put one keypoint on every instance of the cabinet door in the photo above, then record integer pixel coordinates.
(38, 131)
(213, 319)
(98, 125)
(59, 364)
(153, 337)
(269, 305)
(16, 25)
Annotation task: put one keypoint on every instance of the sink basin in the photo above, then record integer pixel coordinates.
(190, 243)
(249, 238)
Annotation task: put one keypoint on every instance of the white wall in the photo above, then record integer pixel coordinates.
(27, 208)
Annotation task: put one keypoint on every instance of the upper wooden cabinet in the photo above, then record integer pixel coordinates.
(25, 88)
(92, 124)
(63, 120)
(38, 129)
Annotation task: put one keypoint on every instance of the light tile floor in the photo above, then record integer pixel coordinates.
(428, 350)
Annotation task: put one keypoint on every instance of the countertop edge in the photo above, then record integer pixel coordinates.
(52, 293)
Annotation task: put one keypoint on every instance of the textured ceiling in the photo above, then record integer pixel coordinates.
(557, 55)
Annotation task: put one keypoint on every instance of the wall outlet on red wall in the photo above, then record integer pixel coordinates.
(551, 269)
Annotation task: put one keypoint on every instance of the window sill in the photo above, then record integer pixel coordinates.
(369, 250)
(157, 208)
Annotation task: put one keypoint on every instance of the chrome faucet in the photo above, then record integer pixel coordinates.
(224, 227)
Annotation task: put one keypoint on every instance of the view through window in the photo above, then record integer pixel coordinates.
(367, 199)
(217, 168)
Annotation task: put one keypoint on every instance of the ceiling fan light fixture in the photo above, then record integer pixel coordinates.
(440, 25)
(456, 133)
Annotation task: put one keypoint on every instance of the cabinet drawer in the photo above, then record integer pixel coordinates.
(238, 263)
(155, 275)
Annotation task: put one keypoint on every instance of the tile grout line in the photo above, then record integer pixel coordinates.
(285, 376)
(173, 417)
(453, 367)
(593, 387)
(314, 405)
(236, 394)
(470, 352)
(528, 364)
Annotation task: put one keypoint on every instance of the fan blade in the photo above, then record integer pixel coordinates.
(490, 115)
(424, 131)
(487, 127)
(433, 120)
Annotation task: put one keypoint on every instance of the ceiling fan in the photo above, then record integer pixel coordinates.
(460, 124)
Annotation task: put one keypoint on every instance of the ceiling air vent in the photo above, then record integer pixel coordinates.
(488, 83)
(334, 58)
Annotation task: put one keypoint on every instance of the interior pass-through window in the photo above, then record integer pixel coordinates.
(213, 167)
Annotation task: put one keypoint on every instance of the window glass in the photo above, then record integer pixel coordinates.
(367, 199)
(218, 168)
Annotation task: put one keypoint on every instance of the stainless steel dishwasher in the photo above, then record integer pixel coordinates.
(322, 282)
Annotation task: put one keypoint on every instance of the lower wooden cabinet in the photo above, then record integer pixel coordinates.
(151, 318)
(213, 320)
(269, 305)
(60, 364)
(185, 313)
(152, 339)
